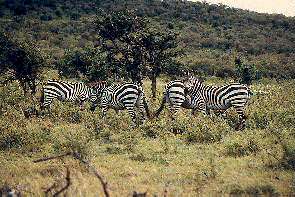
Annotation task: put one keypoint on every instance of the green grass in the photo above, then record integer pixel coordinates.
(208, 158)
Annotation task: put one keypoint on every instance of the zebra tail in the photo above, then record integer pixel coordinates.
(146, 107)
(157, 113)
(250, 93)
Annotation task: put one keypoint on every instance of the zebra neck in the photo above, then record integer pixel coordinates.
(197, 89)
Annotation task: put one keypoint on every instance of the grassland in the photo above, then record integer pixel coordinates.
(207, 158)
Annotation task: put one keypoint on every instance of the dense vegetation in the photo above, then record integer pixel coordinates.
(207, 157)
(210, 35)
(192, 156)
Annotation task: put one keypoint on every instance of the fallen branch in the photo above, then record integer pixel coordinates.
(87, 164)
(55, 185)
(49, 189)
(68, 180)
(54, 157)
(78, 156)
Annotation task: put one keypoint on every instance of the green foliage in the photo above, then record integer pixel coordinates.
(288, 159)
(246, 72)
(203, 134)
(132, 49)
(23, 58)
(202, 29)
(88, 63)
(121, 34)
(236, 148)
(192, 150)
(257, 190)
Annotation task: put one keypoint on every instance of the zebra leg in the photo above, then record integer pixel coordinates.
(221, 113)
(141, 108)
(104, 112)
(242, 118)
(46, 105)
(173, 109)
(131, 111)
(81, 105)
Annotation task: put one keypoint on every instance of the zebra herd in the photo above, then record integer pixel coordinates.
(189, 93)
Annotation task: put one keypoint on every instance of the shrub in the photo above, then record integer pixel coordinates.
(260, 119)
(203, 134)
(288, 159)
(239, 148)
(23, 58)
(246, 72)
(89, 63)
(257, 190)
(45, 17)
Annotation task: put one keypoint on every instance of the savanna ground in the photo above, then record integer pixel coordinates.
(207, 158)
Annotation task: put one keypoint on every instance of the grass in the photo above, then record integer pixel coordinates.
(207, 158)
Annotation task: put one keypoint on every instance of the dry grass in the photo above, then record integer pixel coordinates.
(208, 159)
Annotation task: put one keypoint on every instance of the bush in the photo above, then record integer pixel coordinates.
(246, 72)
(202, 136)
(288, 159)
(260, 120)
(257, 190)
(45, 17)
(88, 63)
(241, 148)
(23, 58)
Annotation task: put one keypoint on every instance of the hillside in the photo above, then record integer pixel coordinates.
(211, 35)
(55, 152)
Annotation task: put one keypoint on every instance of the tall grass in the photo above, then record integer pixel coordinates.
(207, 157)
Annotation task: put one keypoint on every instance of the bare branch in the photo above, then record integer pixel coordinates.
(54, 157)
(50, 188)
(165, 192)
(91, 168)
(78, 156)
(68, 180)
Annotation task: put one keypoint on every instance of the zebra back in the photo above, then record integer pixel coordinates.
(117, 95)
(217, 97)
(68, 91)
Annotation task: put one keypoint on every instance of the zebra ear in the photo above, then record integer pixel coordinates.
(202, 79)
(188, 74)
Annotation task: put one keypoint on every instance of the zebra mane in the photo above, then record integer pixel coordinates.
(96, 84)
(63, 81)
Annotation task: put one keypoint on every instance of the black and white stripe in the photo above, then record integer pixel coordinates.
(205, 98)
(67, 91)
(127, 96)
(175, 95)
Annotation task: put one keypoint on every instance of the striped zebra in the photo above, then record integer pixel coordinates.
(175, 95)
(127, 96)
(205, 98)
(67, 91)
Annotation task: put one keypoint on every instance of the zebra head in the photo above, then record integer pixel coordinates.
(96, 93)
(93, 97)
(192, 84)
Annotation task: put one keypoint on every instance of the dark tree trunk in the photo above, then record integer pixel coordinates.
(154, 85)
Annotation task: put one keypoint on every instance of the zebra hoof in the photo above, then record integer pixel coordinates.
(240, 127)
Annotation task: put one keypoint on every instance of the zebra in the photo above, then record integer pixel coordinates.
(67, 91)
(122, 96)
(176, 96)
(205, 98)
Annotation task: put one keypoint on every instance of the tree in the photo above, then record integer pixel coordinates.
(246, 72)
(160, 50)
(89, 63)
(121, 37)
(22, 59)
(132, 49)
